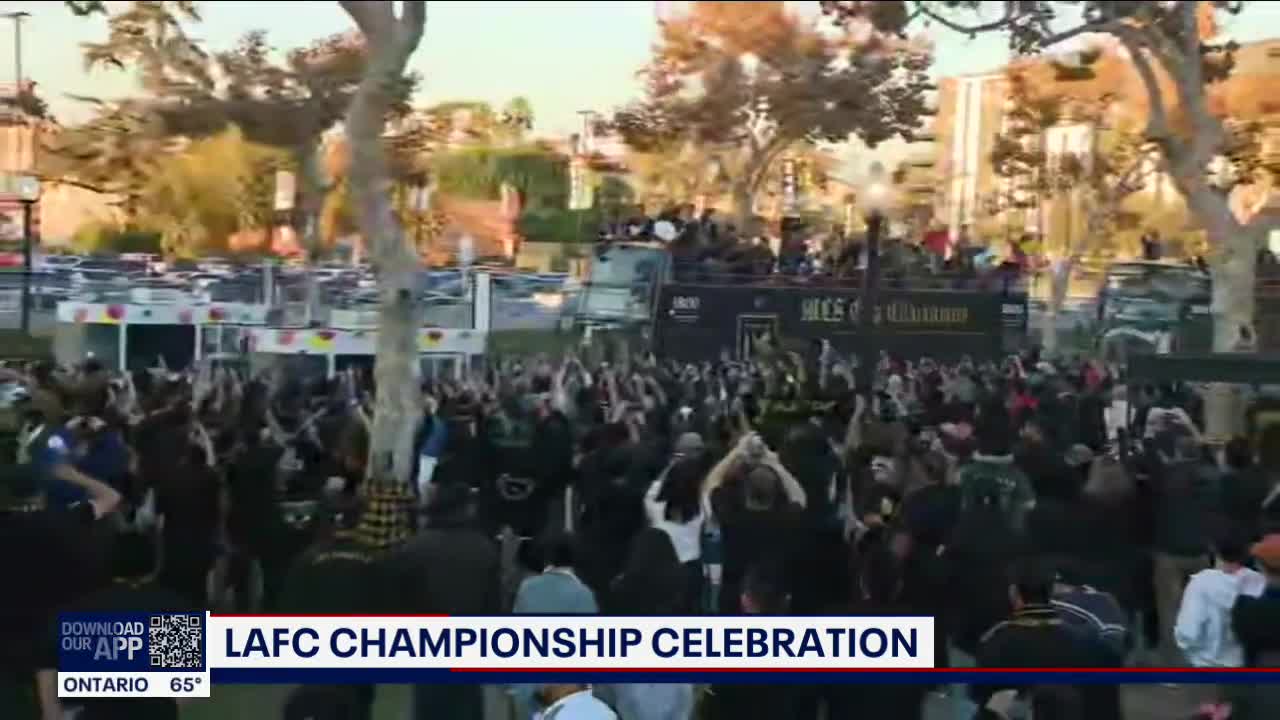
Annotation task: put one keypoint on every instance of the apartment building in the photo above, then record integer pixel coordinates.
(18, 142)
(972, 112)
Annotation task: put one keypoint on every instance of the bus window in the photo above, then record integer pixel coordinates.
(221, 340)
(621, 281)
(440, 367)
(357, 362)
(1153, 292)
(306, 368)
(146, 343)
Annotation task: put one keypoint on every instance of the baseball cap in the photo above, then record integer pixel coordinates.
(689, 443)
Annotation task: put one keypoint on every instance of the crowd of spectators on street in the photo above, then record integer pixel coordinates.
(777, 485)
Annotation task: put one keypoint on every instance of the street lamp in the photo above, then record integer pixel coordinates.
(876, 197)
(17, 18)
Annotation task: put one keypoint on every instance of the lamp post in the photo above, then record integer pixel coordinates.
(876, 195)
(17, 18)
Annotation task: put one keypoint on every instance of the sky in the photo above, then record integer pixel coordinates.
(564, 57)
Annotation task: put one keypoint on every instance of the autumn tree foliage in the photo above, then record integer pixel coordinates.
(190, 93)
(1173, 49)
(1095, 180)
(117, 152)
(23, 106)
(751, 80)
(1116, 162)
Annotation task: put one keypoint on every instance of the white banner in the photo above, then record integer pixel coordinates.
(570, 643)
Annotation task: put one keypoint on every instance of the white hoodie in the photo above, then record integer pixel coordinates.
(1203, 630)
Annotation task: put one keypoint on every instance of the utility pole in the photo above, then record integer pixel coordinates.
(17, 18)
(28, 195)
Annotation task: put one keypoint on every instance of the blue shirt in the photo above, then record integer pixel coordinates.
(107, 459)
(555, 591)
(433, 443)
(54, 450)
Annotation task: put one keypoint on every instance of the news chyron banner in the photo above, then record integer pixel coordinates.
(167, 655)
(132, 655)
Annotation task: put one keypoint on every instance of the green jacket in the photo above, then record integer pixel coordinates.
(996, 476)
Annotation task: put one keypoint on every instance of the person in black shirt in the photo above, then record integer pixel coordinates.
(188, 503)
(764, 592)
(1036, 636)
(760, 511)
(338, 575)
(64, 568)
(133, 589)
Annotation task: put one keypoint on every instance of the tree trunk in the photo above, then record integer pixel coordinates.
(397, 409)
(1234, 276)
(313, 188)
(754, 170)
(742, 204)
(1059, 282)
(1233, 265)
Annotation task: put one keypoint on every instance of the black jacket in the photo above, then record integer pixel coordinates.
(336, 577)
(1256, 622)
(981, 551)
(1188, 508)
(451, 570)
(1037, 637)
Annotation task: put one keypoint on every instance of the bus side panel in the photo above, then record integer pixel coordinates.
(698, 322)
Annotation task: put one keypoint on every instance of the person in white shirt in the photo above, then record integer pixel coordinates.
(673, 505)
(1203, 627)
(572, 702)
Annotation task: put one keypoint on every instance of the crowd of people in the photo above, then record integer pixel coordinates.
(643, 487)
(704, 246)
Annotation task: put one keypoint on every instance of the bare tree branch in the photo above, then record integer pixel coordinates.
(413, 19)
(72, 182)
(375, 18)
(1010, 12)
(1158, 119)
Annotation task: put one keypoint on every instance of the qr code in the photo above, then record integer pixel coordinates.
(176, 642)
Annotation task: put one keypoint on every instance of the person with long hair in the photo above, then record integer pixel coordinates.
(653, 581)
(673, 506)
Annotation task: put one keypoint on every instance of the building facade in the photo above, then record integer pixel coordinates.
(18, 142)
(972, 113)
